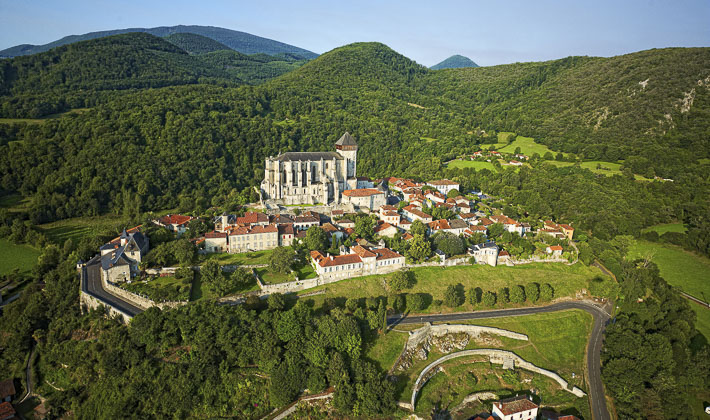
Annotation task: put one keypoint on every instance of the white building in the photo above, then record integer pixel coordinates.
(444, 185)
(360, 262)
(516, 408)
(253, 238)
(216, 242)
(368, 198)
(485, 253)
(120, 257)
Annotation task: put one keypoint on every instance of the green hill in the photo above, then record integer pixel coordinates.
(455, 62)
(205, 141)
(238, 41)
(195, 44)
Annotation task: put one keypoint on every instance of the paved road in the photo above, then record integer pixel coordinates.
(91, 284)
(28, 375)
(596, 389)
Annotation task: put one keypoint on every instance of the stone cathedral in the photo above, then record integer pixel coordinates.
(311, 177)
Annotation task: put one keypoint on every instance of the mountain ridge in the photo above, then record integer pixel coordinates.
(242, 42)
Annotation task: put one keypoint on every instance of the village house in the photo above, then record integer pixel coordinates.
(412, 213)
(345, 224)
(516, 163)
(253, 238)
(509, 224)
(444, 185)
(388, 214)
(469, 218)
(305, 222)
(7, 390)
(286, 235)
(485, 253)
(435, 197)
(216, 242)
(554, 250)
(121, 256)
(253, 218)
(364, 182)
(368, 198)
(174, 222)
(516, 408)
(281, 219)
(476, 229)
(385, 229)
(404, 224)
(553, 229)
(359, 262)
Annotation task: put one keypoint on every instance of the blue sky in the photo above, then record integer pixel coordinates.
(489, 32)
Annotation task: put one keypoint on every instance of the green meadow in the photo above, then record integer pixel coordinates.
(21, 257)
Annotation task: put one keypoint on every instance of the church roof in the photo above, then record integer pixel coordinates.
(346, 140)
(306, 156)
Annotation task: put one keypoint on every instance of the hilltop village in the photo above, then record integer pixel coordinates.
(371, 226)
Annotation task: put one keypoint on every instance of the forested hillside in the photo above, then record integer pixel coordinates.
(236, 40)
(152, 148)
(195, 44)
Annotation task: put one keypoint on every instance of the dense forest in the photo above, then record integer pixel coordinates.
(454, 62)
(195, 44)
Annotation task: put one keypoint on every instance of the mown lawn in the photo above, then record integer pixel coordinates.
(686, 270)
(702, 322)
(598, 167)
(471, 164)
(386, 348)
(22, 257)
(527, 147)
(158, 289)
(666, 227)
(566, 280)
(83, 227)
(244, 258)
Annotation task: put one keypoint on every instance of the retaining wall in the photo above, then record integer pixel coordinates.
(94, 303)
(420, 335)
(497, 357)
(140, 301)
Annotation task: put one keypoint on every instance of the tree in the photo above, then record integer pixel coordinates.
(503, 295)
(418, 228)
(415, 302)
(364, 227)
(532, 292)
(474, 296)
(489, 298)
(184, 251)
(316, 239)
(400, 280)
(495, 230)
(454, 296)
(449, 243)
(419, 248)
(546, 292)
(453, 193)
(281, 259)
(517, 294)
(276, 302)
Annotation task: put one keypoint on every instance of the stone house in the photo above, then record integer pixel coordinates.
(516, 408)
(444, 185)
(121, 256)
(554, 250)
(412, 213)
(253, 238)
(305, 222)
(174, 222)
(216, 242)
(359, 262)
(7, 390)
(385, 229)
(253, 218)
(286, 235)
(485, 253)
(368, 198)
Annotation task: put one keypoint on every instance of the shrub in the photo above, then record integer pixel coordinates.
(517, 294)
(489, 298)
(453, 296)
(532, 292)
(546, 292)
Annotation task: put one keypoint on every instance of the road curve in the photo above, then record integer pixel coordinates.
(92, 285)
(596, 389)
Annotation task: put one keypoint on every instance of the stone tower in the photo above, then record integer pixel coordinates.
(347, 148)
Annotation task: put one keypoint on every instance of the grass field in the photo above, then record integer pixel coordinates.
(244, 258)
(666, 227)
(82, 227)
(162, 288)
(22, 257)
(14, 202)
(527, 147)
(386, 349)
(688, 271)
(43, 119)
(566, 280)
(557, 342)
(607, 168)
(471, 164)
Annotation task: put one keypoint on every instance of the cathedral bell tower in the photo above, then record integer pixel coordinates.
(347, 148)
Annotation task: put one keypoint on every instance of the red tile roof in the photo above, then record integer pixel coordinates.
(382, 226)
(503, 219)
(363, 192)
(244, 230)
(214, 234)
(407, 236)
(514, 406)
(363, 252)
(388, 207)
(555, 248)
(439, 224)
(339, 260)
(467, 216)
(6, 410)
(7, 388)
(175, 219)
(478, 228)
(328, 227)
(252, 217)
(385, 254)
(286, 230)
(415, 211)
(391, 213)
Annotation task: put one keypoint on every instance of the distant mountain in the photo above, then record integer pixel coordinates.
(455, 62)
(239, 41)
(195, 44)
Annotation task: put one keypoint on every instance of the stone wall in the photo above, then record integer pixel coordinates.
(93, 303)
(497, 357)
(418, 336)
(140, 301)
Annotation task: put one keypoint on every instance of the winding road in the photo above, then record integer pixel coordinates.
(92, 285)
(596, 388)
